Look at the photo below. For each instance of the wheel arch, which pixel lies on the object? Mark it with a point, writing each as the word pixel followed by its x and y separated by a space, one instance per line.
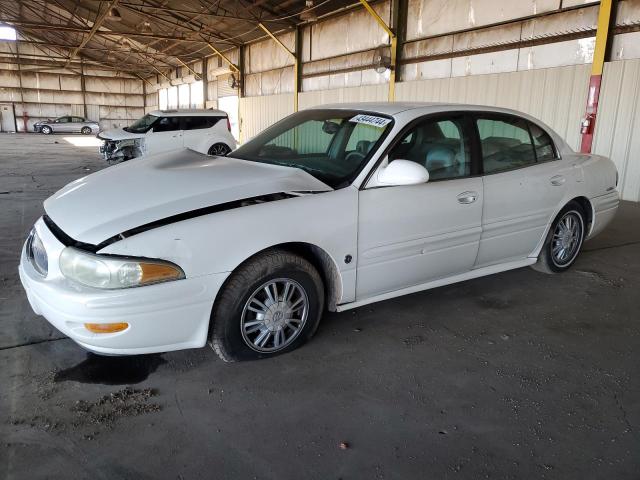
pixel 318 257
pixel 587 207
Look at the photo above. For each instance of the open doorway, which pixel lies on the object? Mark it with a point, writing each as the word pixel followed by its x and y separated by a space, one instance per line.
pixel 7 118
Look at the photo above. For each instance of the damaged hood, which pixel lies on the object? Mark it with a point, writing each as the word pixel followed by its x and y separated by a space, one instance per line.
pixel 131 194
pixel 118 134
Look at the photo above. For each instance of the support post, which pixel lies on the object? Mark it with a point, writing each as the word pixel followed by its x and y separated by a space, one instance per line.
pixel 296 64
pixel 393 39
pixel 205 82
pixel 599 56
pixel 84 89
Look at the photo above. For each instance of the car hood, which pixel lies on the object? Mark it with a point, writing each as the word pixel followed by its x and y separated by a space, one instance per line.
pixel 118 134
pixel 148 189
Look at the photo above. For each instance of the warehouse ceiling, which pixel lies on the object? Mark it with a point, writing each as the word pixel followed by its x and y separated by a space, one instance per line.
pixel 148 36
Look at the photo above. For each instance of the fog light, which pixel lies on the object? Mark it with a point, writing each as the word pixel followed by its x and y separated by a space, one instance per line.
pixel 106 327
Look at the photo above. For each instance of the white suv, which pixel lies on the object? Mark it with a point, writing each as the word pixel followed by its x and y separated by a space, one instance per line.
pixel 205 131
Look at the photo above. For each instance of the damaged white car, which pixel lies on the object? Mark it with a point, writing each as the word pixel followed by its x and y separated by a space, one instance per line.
pixel 331 208
pixel 205 131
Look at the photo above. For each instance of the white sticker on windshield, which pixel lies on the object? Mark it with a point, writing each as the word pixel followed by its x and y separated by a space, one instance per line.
pixel 379 122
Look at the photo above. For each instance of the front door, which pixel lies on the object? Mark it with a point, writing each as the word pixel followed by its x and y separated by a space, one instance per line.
pixel 524 181
pixel 408 235
pixel 62 125
pixel 165 136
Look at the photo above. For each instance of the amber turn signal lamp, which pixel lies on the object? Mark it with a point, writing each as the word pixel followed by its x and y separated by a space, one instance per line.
pixel 154 273
pixel 106 327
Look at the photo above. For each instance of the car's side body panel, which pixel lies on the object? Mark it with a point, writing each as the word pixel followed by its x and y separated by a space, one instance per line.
pixel 518 205
pixel 409 235
pixel 220 242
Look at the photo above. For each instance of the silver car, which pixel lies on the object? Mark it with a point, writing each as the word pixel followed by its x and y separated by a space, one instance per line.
pixel 67 124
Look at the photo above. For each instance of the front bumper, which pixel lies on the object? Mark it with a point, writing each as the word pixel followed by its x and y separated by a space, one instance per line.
pixel 163 317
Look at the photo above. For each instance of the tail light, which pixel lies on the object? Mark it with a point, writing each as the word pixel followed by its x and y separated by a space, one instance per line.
pixel 228 124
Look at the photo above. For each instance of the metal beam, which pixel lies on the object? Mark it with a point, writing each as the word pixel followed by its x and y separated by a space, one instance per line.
pixel 394 47
pixel 96 25
pixel 195 74
pixel 296 64
pixel 233 66
pixel 602 43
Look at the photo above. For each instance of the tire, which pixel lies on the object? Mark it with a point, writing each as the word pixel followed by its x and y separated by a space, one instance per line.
pixel 219 149
pixel 563 243
pixel 236 325
pixel 85 130
pixel 46 130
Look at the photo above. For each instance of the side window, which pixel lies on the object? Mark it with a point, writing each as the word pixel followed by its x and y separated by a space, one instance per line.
pixel 167 124
pixel 439 145
pixel 77 120
pixel 198 123
pixel 545 150
pixel 63 120
pixel 506 143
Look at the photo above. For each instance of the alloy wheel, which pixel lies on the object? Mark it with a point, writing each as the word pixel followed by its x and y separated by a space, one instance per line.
pixel 567 238
pixel 274 315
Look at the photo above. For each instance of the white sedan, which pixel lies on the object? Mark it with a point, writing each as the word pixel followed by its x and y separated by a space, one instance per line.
pixel 331 208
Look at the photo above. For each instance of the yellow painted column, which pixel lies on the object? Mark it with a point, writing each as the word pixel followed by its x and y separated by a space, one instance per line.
pixel 602 38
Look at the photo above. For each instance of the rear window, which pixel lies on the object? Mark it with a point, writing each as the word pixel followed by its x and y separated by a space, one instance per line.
pixel 199 122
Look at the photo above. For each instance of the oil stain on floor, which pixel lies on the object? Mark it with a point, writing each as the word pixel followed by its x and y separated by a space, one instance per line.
pixel 97 369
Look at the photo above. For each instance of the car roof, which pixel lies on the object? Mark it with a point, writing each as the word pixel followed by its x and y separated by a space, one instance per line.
pixel 393 108
pixel 189 112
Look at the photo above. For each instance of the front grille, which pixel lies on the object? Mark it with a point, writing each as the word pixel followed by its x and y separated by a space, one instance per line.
pixel 37 254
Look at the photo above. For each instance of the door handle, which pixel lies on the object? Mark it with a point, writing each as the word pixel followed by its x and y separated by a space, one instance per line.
pixel 557 180
pixel 467 197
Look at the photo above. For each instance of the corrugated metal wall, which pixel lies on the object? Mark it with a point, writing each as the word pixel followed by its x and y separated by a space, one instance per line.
pixel 618 126
pixel 257 113
pixel 555 95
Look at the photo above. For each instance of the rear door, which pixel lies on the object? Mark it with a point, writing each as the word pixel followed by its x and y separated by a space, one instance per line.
pixel 197 132
pixel 408 235
pixel 76 124
pixel 524 181
pixel 164 136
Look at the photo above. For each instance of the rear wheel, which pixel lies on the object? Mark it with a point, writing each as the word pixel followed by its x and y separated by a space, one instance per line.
pixel 219 149
pixel 270 305
pixel 86 130
pixel 564 240
pixel 46 130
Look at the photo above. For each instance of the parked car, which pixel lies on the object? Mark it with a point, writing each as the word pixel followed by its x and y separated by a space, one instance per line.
pixel 205 131
pixel 331 208
pixel 67 124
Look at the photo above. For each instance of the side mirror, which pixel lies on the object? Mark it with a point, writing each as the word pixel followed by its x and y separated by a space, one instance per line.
pixel 403 172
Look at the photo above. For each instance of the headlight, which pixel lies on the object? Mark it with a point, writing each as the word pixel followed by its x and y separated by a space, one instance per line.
pixel 110 272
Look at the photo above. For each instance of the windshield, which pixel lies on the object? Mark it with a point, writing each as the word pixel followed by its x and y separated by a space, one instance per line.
pixel 331 145
pixel 142 124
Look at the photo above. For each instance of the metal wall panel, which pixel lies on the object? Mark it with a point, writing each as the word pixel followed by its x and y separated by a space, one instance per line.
pixel 370 93
pixel 618 123
pixel 257 113
pixel 555 95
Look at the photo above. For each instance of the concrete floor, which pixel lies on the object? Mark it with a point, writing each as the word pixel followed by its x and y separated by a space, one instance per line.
pixel 519 375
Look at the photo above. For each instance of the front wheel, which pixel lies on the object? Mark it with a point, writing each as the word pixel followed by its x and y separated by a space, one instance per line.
pixel 563 241
pixel 270 305
pixel 219 149
pixel 86 130
pixel 46 130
